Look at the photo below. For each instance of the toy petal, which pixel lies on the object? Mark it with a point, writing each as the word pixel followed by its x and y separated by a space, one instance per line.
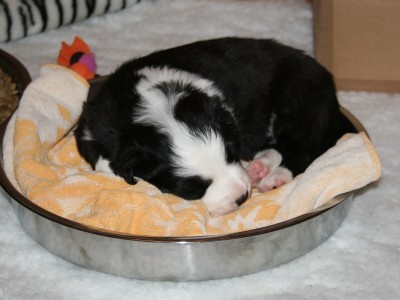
pixel 64 55
pixel 63 61
pixel 80 46
pixel 82 70
pixel 89 61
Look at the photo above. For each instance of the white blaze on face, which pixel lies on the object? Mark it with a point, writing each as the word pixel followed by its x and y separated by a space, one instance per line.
pixel 201 154
pixel 227 188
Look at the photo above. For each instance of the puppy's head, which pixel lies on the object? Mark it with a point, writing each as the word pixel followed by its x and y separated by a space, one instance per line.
pixel 192 165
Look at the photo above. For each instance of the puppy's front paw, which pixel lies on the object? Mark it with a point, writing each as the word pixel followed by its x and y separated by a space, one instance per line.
pixel 257 171
pixel 276 179
pixel 264 163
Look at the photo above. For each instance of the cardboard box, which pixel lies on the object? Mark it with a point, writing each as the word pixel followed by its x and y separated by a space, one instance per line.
pixel 359 42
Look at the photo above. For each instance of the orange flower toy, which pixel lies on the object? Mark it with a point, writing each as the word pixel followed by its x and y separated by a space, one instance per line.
pixel 78 58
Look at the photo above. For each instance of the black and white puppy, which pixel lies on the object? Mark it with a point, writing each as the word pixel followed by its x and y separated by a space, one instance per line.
pixel 185 119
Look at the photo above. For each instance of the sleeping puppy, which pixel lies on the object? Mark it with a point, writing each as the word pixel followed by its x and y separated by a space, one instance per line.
pixel 212 119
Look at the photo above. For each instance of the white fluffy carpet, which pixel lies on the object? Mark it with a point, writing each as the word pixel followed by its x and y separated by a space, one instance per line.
pixel 360 261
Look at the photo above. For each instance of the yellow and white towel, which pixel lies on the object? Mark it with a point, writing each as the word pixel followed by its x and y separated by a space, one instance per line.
pixel 41 159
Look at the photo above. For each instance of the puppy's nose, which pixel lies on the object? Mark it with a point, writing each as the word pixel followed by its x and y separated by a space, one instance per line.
pixel 242 199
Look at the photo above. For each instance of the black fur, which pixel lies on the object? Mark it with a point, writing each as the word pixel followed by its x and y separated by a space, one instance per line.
pixel 262 81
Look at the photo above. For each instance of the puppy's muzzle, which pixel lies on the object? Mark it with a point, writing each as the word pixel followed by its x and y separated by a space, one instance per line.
pixel 242 199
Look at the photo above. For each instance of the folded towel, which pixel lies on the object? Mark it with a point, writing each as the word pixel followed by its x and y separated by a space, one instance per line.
pixel 42 161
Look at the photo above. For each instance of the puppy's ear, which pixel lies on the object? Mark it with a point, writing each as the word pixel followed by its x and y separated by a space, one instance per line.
pixel 135 160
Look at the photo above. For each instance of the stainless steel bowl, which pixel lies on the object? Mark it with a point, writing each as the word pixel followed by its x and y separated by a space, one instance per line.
pixel 178 258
